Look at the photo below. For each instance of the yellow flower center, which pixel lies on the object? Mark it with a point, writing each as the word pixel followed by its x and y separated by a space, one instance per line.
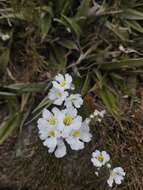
pixel 100 158
pixel 76 133
pixel 51 133
pixel 59 94
pixel 52 121
pixel 63 83
pixel 67 120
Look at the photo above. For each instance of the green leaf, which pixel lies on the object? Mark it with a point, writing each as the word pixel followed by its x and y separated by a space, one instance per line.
pixel 42 104
pixel 27 87
pixel 69 44
pixel 60 56
pixel 72 24
pixel 123 64
pixel 8 126
pixel 7 94
pixel 86 85
pixel 132 14
pixel 119 31
pixel 109 100
pixel 83 8
pixel 134 25
pixel 4 59
pixel 46 21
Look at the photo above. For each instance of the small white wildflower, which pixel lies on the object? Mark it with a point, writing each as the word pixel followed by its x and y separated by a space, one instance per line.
pixel 78 137
pixel 68 29
pixel 74 100
pixel 99 120
pixel 91 116
pixel 57 96
pixel 96 173
pixel 116 175
pixel 99 159
pixel 4 37
pixel 49 133
pixel 99 113
pixel 62 82
pixel 108 165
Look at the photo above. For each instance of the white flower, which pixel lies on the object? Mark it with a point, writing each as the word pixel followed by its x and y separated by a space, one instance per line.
pixel 97 173
pixel 48 119
pixel 62 82
pixel 68 120
pixel 117 175
pixel 58 126
pixel 91 116
pixel 49 134
pixel 74 100
pixel 108 165
pixel 99 113
pixel 57 96
pixel 99 159
pixel 78 137
pixel 4 37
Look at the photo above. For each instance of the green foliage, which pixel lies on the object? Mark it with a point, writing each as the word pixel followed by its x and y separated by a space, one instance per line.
pixel 80 37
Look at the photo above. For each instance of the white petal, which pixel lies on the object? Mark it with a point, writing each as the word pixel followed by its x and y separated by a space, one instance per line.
pixel 56 85
pixel 50 142
pixel 68 78
pixel 59 77
pixel 86 136
pixel 43 135
pixel 77 145
pixel 72 111
pixel 77 122
pixel 55 111
pixel 110 181
pixel 46 114
pixel 119 170
pixel 68 103
pixel 50 150
pixel 42 123
pixel 59 101
pixel 118 180
pixel 96 153
pixel 96 162
pixel 61 149
pixel 106 156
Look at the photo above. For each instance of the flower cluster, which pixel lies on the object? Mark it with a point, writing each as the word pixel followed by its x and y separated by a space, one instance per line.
pixel 100 159
pixel 64 125
pixel 99 115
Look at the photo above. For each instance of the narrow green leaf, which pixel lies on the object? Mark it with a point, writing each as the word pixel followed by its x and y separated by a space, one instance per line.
pixel 69 44
pixel 72 24
pixel 45 25
pixel 119 31
pixel 83 8
pixel 86 85
pixel 134 25
pixel 132 14
pixel 8 126
pixel 123 64
pixel 4 59
pixel 27 87
pixel 7 94
pixel 43 103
